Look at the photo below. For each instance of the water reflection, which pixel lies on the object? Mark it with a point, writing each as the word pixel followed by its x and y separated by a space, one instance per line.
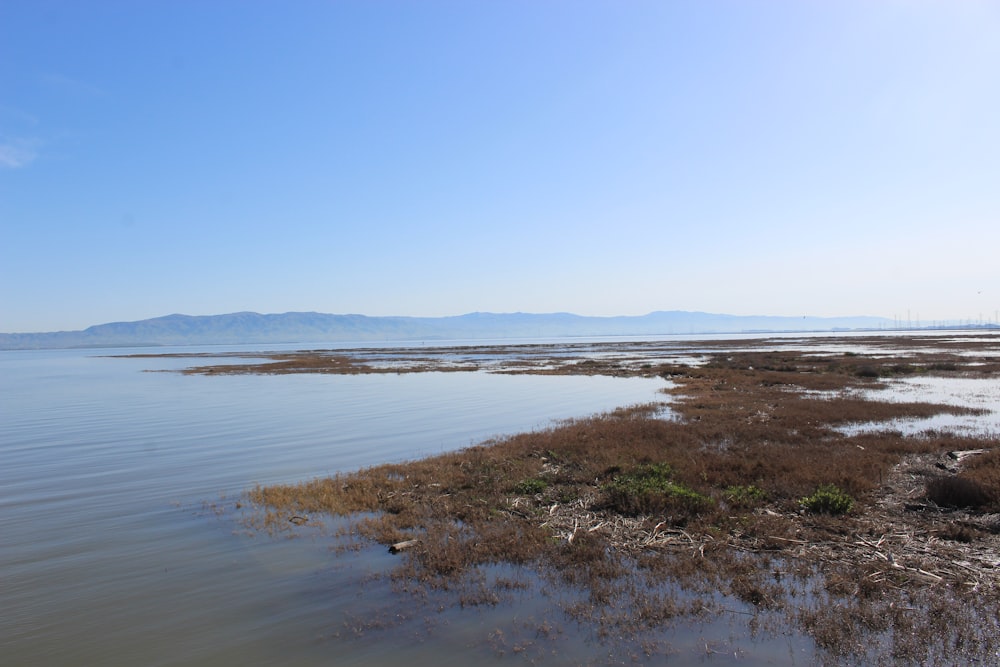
pixel 112 552
pixel 978 393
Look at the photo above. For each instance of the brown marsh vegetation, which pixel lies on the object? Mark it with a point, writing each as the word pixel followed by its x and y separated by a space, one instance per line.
pixel 745 498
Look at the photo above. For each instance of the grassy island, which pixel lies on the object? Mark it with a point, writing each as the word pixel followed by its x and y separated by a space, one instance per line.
pixel 745 492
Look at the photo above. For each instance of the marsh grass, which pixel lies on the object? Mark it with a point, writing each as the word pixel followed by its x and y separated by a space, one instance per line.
pixel 652 519
pixel 960 491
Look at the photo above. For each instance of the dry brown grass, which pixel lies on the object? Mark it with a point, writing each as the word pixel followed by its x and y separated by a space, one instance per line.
pixel 750 444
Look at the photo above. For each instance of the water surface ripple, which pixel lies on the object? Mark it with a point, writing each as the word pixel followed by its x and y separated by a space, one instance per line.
pixel 110 553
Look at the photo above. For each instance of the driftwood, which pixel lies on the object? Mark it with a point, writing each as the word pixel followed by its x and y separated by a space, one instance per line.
pixel 964 454
pixel 400 546
pixel 953 460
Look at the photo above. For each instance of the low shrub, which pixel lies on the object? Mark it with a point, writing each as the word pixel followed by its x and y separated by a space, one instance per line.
pixel 958 533
pixel 744 496
pixel 650 489
pixel 958 492
pixel 828 499
pixel 531 486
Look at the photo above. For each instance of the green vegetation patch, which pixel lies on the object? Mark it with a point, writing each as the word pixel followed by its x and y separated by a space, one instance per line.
pixel 745 496
pixel 650 489
pixel 828 499
pixel 531 486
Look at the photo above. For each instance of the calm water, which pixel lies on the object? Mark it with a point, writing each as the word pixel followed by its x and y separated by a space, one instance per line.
pixel 110 553
pixel 982 394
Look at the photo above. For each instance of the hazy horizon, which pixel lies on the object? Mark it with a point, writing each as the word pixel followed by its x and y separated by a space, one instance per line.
pixel 452 315
pixel 907 320
pixel 506 320
pixel 430 159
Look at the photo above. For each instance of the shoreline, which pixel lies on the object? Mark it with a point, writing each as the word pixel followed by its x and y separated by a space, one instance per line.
pixel 727 496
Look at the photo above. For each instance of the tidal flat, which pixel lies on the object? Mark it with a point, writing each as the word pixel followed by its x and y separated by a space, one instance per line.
pixel 748 493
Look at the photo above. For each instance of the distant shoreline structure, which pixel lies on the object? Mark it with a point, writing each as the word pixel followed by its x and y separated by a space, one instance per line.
pixel 309 327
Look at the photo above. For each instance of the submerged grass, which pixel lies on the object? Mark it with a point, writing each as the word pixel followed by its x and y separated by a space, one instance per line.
pixel 751 491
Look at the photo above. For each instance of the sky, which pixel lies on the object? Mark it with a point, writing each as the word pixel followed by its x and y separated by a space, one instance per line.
pixel 434 158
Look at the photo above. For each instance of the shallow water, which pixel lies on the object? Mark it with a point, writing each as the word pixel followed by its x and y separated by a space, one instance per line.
pixel 979 393
pixel 111 552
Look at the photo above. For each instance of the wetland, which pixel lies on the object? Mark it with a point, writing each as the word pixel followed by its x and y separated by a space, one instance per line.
pixel 774 485
pixel 779 500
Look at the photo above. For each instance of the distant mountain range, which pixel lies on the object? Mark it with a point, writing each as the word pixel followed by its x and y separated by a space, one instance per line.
pixel 242 328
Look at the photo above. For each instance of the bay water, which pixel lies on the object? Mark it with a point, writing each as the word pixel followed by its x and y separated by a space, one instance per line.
pixel 115 549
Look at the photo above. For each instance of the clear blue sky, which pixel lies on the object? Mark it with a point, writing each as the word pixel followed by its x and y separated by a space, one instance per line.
pixel 437 158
